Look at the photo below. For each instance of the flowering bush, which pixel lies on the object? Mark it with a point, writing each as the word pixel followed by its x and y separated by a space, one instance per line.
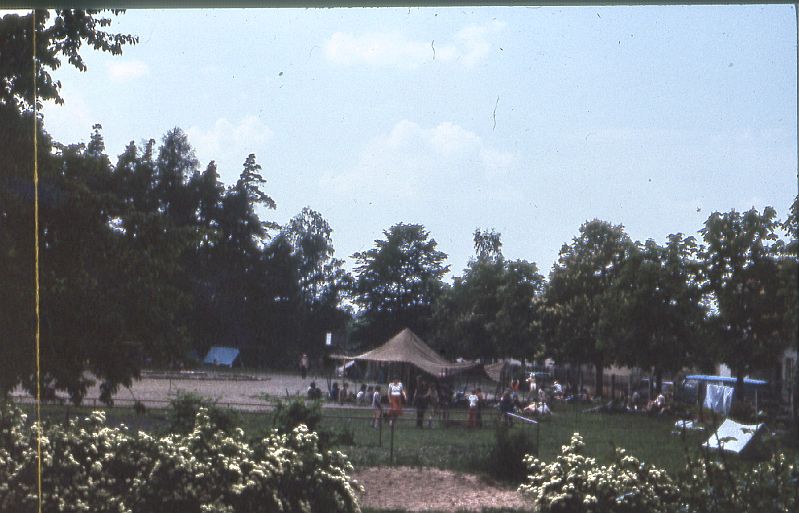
pixel 716 485
pixel 575 483
pixel 184 408
pixel 90 467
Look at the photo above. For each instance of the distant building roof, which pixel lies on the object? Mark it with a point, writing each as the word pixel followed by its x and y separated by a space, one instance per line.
pixel 725 379
pixel 219 355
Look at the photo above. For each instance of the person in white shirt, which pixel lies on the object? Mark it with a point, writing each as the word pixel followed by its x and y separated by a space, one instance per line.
pixel 557 391
pixel 474 403
pixel 396 395
pixel 360 397
pixel 531 393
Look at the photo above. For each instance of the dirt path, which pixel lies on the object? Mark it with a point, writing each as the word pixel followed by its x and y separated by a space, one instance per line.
pixel 430 489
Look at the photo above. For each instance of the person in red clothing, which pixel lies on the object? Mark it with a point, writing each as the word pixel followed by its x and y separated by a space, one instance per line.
pixel 396 395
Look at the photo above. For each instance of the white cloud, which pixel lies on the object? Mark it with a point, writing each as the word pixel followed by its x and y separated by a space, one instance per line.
pixel 124 71
pixel 18 12
pixel 469 46
pixel 411 160
pixel 71 122
pixel 229 144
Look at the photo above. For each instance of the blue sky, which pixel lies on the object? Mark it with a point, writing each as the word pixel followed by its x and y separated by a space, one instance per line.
pixel 526 120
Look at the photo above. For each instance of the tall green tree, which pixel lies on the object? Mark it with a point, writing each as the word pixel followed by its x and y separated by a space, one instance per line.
pixel 741 279
pixel 397 282
pixel 322 280
pixel 654 309
pixel 61 38
pixel 788 255
pixel 577 293
pixel 238 259
pixel 492 310
pixel 59 35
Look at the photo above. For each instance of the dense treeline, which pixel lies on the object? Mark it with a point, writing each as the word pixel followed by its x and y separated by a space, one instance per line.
pixel 149 257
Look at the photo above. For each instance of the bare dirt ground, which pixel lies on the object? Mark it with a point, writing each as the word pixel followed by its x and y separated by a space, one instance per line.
pixel 430 489
pixel 245 391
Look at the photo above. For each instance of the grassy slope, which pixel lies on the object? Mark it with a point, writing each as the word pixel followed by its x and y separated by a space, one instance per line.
pixel 457 447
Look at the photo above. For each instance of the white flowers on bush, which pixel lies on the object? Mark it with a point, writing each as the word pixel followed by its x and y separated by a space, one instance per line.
pixel 90 467
pixel 575 483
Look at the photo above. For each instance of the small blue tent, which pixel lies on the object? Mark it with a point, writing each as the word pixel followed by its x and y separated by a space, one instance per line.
pixel 221 356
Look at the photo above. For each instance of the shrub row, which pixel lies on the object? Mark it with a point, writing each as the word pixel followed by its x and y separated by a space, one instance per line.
pixel 575 483
pixel 88 466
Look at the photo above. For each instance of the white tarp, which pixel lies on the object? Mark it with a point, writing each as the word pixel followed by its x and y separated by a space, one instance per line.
pixel 719 398
pixel 687 425
pixel 732 436
pixel 340 371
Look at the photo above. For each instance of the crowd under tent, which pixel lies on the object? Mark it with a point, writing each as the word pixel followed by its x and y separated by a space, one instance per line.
pixel 220 356
pixel 406 355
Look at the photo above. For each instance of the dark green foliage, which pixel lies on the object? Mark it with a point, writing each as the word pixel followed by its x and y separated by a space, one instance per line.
pixel 288 415
pixel 397 282
pixel 62 38
pixel 506 459
pixel 577 293
pixel 741 276
pixel 653 309
pixel 184 409
pixel 493 309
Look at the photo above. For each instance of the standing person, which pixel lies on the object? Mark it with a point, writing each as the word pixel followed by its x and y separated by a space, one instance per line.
pixel 474 400
pixel 344 393
pixel 532 390
pixel 360 398
pixel 377 408
pixel 396 394
pixel 506 406
pixel 304 363
pixel 421 398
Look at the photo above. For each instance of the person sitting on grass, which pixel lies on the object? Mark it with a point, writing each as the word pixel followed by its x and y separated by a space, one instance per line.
pixel 537 409
pixel 657 406
pixel 557 391
pixel 313 392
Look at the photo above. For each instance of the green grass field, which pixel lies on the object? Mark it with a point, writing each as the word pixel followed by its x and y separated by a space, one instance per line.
pixel 457 447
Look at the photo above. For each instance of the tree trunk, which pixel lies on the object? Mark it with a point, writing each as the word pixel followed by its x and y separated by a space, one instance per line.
pixel 739 385
pixel 658 380
pixel 598 387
